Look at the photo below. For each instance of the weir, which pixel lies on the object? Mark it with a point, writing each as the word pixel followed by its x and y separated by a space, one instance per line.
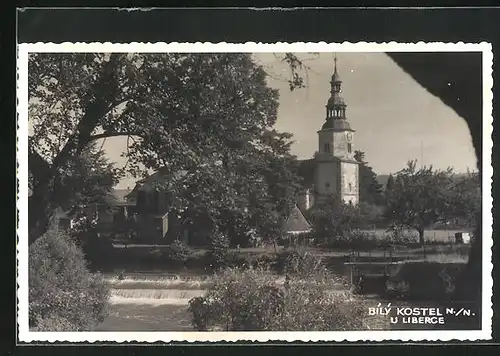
pixel 154 296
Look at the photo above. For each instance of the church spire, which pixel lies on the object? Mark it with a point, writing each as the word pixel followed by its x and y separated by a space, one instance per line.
pixel 335 76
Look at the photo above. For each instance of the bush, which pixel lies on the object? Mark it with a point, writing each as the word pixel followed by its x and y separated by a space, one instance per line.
pixel 267 261
pixel 177 253
pixel 54 323
pixel 301 263
pixel 233 259
pixel 63 293
pixel 252 300
pixel 218 250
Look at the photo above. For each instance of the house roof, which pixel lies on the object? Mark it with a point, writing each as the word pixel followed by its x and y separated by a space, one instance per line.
pixel 161 175
pixel 296 222
pixel 119 196
pixel 337 125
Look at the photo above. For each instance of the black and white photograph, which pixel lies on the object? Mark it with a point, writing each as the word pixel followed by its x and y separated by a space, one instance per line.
pixel 302 191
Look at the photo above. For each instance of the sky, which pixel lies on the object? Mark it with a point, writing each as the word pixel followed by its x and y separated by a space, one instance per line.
pixel 395 118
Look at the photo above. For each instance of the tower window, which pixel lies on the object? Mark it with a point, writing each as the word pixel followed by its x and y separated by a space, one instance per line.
pixel 350 187
pixel 349 147
pixel 327 147
pixel 327 185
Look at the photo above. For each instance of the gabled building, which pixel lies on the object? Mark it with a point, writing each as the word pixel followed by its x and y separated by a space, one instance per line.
pixel 296 223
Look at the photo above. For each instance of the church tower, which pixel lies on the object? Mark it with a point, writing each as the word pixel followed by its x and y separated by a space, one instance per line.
pixel 336 168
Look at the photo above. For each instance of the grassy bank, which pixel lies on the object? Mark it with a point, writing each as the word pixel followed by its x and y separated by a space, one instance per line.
pixel 155 258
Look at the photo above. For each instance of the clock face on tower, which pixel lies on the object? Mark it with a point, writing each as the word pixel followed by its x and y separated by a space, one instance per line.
pixel 348 137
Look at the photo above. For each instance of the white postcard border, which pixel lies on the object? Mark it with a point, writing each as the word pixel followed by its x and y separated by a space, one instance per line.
pixel 25 335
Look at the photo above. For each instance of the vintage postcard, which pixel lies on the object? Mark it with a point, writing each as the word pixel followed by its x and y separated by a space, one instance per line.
pixel 256 192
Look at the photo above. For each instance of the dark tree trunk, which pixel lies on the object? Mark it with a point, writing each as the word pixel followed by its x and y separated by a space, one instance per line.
pixel 39 211
pixel 421 239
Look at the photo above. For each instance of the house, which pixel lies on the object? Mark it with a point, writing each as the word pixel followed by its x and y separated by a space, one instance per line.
pixel 115 216
pixel 150 202
pixel 148 206
pixel 296 223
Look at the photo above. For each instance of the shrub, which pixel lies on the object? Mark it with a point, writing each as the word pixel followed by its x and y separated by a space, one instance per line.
pixel 177 253
pixel 63 293
pixel 54 323
pixel 233 259
pixel 294 262
pixel 361 240
pixel 238 300
pixel 252 300
pixel 218 249
pixel 267 261
pixel 302 263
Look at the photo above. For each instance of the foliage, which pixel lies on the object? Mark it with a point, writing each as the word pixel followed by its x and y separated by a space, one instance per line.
pixel 218 249
pixel 204 120
pixel 422 197
pixel 298 239
pixel 54 323
pixel 390 183
pixel 177 253
pixel 466 198
pixel 63 294
pixel 299 263
pixel 297 69
pixel 98 249
pixel 370 190
pixel 371 215
pixel 332 218
pixel 86 184
pixel 251 300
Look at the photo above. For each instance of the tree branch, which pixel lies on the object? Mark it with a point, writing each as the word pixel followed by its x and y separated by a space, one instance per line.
pixel 37 164
pixel 113 134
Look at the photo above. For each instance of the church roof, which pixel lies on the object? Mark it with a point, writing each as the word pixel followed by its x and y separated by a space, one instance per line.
pixel 346 160
pixel 335 76
pixel 336 100
pixel 337 125
pixel 296 222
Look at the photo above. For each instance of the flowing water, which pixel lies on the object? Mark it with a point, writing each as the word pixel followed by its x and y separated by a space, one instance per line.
pixel 148 302
pixel 154 296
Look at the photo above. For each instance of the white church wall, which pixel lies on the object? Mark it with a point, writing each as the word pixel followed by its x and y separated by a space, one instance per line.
pixel 350 182
pixel 340 145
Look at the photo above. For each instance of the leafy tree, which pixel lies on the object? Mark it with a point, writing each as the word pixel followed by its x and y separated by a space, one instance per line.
pixel 370 214
pixel 465 195
pixel 87 183
pixel 390 183
pixel 331 217
pixel 422 197
pixel 203 119
pixel 370 190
